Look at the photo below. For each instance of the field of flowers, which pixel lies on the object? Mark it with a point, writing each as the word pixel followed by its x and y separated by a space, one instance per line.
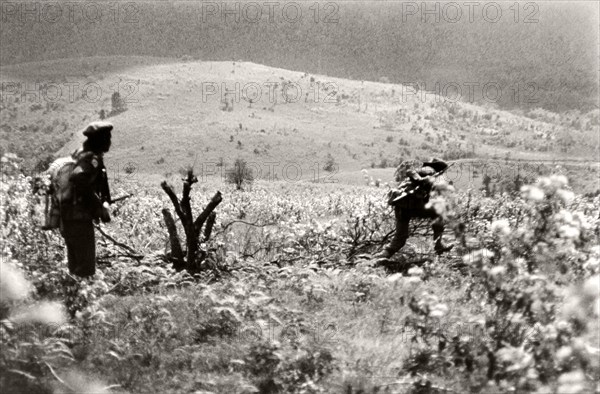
pixel 291 300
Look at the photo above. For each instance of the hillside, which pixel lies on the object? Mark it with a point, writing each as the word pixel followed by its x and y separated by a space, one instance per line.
pixel 171 120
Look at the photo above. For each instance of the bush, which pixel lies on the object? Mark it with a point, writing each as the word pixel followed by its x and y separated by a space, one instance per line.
pixel 457 153
pixel 330 164
pixel 240 175
pixel 118 104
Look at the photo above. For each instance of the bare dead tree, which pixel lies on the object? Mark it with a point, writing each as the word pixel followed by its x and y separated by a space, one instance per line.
pixel 193 256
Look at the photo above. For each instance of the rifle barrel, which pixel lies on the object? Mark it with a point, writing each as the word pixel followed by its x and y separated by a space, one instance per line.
pixel 114 200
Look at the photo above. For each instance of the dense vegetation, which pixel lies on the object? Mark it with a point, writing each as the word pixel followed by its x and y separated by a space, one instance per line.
pixel 543 56
pixel 289 299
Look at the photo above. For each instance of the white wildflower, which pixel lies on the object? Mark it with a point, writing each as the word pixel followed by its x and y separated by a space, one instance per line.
pixel 544 182
pixel 567 231
pixel 497 270
pixel 520 262
pixel 442 308
pixel 438 204
pixel 516 318
pixel 479 321
pixel 13 285
pixel 45 313
pixel 415 271
pixel 559 181
pixel 501 226
pixel 582 220
pixel 571 383
pixel 565 195
pixel 591 288
pixel 533 193
pixel 564 216
pixel 592 264
pixel 394 277
pixel 517 357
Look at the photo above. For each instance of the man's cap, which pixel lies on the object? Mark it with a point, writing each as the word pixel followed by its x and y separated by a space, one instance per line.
pixel 98 128
pixel 437 164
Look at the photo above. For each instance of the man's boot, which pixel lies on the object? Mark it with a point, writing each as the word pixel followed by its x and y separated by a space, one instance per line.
pixel 384 254
pixel 438 230
pixel 400 236
pixel 441 247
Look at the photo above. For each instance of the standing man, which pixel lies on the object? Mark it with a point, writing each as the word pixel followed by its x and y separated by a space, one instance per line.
pixel 409 202
pixel 89 200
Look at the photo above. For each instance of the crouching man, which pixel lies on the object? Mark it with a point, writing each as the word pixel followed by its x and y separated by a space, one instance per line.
pixel 409 201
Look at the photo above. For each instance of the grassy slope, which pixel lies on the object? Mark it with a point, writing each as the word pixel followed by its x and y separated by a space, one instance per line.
pixel 168 126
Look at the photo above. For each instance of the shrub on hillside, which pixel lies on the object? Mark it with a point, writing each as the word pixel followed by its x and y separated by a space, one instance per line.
pixel 118 104
pixel 330 164
pixel 240 175
pixel 456 153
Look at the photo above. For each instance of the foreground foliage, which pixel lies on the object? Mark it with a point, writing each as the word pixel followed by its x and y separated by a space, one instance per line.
pixel 289 299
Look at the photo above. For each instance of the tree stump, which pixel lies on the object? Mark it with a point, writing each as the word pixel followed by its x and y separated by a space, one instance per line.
pixel 192 257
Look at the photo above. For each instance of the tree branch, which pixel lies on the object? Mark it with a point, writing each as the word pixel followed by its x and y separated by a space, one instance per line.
pixel 210 222
pixel 176 251
pixel 214 202
pixel 225 227
pixel 135 254
pixel 169 190
pixel 185 199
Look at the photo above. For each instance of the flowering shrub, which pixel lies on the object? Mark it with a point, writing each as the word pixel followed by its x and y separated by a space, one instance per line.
pixel 520 271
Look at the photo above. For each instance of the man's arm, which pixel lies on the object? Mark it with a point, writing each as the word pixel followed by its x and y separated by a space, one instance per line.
pixel 104 188
pixel 424 175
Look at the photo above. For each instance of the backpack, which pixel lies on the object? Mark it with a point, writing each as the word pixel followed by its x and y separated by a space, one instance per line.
pixel 60 191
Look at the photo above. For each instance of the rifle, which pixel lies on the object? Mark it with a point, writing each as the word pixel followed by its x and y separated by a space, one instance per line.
pixel 405 193
pixel 104 215
pixel 125 197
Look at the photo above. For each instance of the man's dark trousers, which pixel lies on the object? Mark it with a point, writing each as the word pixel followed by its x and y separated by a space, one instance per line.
pixel 414 209
pixel 81 246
